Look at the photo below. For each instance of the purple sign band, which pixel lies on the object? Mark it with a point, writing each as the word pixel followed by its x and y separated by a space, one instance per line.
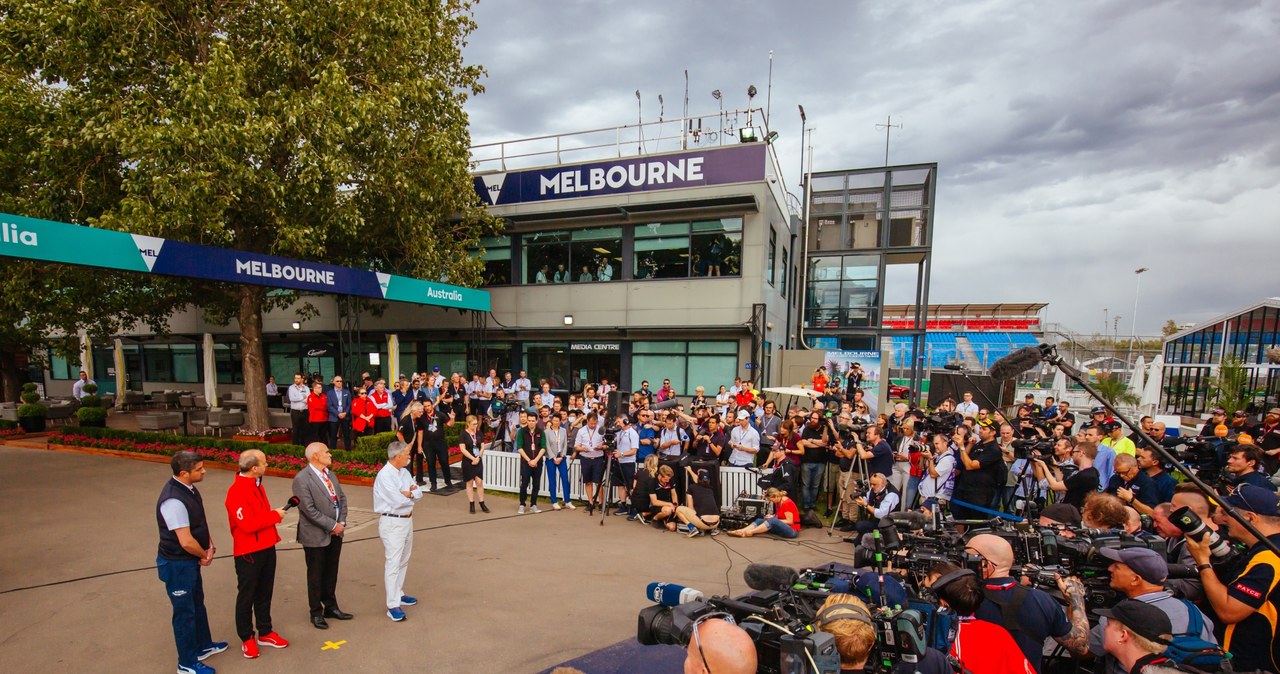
pixel 696 168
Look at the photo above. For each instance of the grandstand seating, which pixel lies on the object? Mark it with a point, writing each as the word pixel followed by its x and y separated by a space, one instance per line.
pixel 941 347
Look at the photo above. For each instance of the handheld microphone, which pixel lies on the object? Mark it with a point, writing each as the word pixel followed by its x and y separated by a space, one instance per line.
pixel 670 594
pixel 293 502
pixel 1017 362
pixel 769 576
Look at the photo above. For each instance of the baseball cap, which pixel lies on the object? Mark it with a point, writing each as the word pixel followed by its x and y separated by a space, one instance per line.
pixel 703 474
pixel 1098 410
pixel 1218 410
pixel 743 414
pixel 1256 500
pixel 1141 618
pixel 435 368
pixel 1147 563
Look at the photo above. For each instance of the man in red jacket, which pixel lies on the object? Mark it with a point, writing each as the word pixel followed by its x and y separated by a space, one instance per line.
pixel 254 538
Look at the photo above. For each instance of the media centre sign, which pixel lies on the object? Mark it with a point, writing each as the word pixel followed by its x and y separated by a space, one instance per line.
pixel 596 347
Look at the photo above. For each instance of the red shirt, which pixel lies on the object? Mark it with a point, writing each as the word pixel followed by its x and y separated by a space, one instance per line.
pixel 743 398
pixel 253 522
pixel 820 383
pixel 987 648
pixel 380 399
pixel 317 408
pixel 360 407
pixel 789 506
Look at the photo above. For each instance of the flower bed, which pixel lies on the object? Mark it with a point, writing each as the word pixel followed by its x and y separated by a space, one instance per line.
pixel 276 436
pixel 287 459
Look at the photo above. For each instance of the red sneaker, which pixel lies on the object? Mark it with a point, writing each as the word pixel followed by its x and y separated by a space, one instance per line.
pixel 273 640
pixel 250 649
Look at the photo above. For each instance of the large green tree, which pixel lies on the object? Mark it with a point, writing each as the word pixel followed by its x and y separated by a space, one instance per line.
pixel 329 131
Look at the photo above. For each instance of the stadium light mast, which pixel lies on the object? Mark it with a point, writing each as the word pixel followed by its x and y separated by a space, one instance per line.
pixel 1137 285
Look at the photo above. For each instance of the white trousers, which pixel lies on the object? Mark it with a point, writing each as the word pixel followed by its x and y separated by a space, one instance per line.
pixel 397 543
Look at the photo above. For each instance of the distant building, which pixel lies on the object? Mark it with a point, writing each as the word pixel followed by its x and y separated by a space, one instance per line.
pixel 1192 356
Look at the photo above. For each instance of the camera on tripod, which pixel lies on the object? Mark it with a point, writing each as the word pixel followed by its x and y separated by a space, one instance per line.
pixel 1027 449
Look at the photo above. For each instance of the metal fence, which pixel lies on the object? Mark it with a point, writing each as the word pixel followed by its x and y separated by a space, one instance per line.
pixel 502 473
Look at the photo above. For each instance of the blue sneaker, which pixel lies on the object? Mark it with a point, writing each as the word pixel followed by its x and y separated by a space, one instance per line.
pixel 199 668
pixel 395 614
pixel 214 648
pixel 632 517
pixel 406 600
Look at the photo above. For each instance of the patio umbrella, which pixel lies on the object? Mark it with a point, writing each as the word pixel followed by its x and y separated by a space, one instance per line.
pixel 1059 383
pixel 393 359
pixel 86 355
pixel 1155 382
pixel 1135 376
pixel 117 354
pixel 210 372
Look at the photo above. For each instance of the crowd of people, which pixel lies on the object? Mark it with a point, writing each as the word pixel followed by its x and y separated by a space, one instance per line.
pixel 971 460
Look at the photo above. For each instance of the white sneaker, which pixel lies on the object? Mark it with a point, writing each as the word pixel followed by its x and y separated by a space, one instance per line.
pixel 520 511
pixel 555 506
pixel 536 509
pixel 569 505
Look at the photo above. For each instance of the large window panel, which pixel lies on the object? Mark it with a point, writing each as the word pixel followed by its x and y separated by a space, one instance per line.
pixel 158 362
pixel 186 363
pixel 548 361
pixel 596 254
pixel 719 243
pixel 497 260
pixel 547 253
pixel 654 368
pixel 664 257
pixel 226 358
pixel 61 368
pixel 710 372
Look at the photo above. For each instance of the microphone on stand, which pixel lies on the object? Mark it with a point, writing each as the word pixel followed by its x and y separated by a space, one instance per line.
pixel 1018 362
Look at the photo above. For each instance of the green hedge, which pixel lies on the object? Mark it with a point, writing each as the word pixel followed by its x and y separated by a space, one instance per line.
pixel 379 441
pixel 6 425
pixel 358 455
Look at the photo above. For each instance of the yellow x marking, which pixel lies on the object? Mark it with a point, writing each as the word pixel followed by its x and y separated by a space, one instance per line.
pixel 331 645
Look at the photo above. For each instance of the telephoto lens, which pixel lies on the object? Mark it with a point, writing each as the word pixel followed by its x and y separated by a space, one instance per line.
pixel 1194 528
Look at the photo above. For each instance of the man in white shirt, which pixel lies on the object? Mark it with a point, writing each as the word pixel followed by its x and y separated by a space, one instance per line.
pixel 744 440
pixel 522 389
pixel 546 398
pixel 394 494
pixel 474 398
pixel 628 443
pixel 671 440
pixel 968 408
pixel 297 395
pixel 589 446
pixel 77 389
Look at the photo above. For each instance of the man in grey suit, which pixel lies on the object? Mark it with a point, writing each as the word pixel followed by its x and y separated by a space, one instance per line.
pixel 322 511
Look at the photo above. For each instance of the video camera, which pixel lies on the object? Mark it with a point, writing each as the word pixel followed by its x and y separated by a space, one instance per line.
pixel 1029 448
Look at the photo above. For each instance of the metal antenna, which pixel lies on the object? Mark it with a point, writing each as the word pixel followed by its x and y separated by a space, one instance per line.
pixel 887 126
pixel 639 124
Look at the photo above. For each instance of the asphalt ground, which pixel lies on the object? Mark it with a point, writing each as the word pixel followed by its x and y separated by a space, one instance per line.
pixel 498 593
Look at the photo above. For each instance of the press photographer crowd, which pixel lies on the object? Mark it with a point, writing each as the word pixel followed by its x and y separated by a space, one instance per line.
pixel 980 539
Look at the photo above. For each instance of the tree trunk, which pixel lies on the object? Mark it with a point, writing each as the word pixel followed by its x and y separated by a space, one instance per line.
pixel 255 377
pixel 10 376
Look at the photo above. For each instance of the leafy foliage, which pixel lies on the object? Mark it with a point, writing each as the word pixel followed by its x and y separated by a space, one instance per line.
pixel 1229 386
pixel 1114 390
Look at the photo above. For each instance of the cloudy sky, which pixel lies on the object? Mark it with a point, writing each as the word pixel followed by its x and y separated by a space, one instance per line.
pixel 1076 141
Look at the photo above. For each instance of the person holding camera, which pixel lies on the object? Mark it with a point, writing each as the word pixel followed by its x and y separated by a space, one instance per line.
pixel 881 500
pixel 1080 484
pixel 847 618
pixel 814 441
pixel 880 457
pixel 938 467
pixel 700 514
pixel 1249 602
pixel 981 472
pixel 1030 614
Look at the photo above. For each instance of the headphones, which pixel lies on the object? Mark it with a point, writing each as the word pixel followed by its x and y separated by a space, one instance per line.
pixel 859 613
pixel 949 578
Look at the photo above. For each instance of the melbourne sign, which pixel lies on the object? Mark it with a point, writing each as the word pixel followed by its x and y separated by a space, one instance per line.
pixel 697 168
pixel 32 239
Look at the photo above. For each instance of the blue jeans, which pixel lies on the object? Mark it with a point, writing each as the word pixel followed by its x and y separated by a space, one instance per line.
pixel 185 587
pixel 811 476
pixel 563 471
pixel 777 527
pixel 913 488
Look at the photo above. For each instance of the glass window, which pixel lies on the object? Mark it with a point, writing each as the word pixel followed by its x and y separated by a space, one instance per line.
pixel 710 372
pixel 497 260
pixel 61 368
pixel 783 280
pixel 770 272
pixel 226 358
pixel 186 363
pixel 158 362
pixel 665 257
pixel 907 228
pixel 548 362
pixel 547 253
pixel 708 364
pixel 450 356
pixel 859 267
pixel 596 254
pixel 656 368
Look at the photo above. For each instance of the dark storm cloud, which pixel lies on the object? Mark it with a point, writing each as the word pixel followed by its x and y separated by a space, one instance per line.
pixel 1075 141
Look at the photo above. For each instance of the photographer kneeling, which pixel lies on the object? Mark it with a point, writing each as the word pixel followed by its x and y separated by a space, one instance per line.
pixel 879 502
pixel 1248 603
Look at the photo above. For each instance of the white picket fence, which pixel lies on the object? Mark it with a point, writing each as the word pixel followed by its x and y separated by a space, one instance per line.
pixel 502 473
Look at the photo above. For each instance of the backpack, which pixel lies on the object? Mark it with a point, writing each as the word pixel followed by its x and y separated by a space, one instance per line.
pixel 1188 648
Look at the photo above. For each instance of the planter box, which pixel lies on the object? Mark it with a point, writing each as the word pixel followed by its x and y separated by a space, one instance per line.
pixel 282 439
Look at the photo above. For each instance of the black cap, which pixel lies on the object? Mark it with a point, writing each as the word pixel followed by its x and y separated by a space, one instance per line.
pixel 1098 410
pixel 1141 618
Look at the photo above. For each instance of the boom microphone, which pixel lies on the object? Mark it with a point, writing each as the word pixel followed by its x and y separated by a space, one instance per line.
pixel 1017 362
pixel 670 594
pixel 664 405
pixel 769 576
pixel 293 502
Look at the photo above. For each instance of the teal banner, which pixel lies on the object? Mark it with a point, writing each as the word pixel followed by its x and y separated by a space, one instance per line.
pixel 32 239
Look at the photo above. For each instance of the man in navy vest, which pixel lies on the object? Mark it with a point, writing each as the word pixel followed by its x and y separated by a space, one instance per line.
pixel 185 546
